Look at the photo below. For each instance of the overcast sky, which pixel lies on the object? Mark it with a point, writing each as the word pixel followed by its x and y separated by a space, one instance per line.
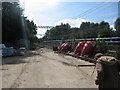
pixel 74 12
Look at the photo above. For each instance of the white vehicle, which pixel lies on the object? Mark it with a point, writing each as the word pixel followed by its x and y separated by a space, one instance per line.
pixel 22 51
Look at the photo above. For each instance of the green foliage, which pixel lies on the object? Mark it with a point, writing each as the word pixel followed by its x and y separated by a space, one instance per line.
pixel 11 22
pixel 101 46
pixel 74 44
pixel 104 29
pixel 118 52
pixel 117 27
pixel 89 30
pixel 85 25
pixel 15 26
pixel 86 30
pixel 58 32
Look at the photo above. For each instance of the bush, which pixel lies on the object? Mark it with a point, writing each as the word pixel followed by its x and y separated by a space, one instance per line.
pixel 74 44
pixel 101 46
pixel 118 52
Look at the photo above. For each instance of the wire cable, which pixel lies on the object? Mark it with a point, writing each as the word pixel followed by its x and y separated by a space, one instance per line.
pixel 87 12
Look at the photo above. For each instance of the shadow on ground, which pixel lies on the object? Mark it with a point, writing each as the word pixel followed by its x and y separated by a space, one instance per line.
pixel 18 59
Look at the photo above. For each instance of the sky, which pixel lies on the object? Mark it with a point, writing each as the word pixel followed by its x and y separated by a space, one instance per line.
pixel 74 12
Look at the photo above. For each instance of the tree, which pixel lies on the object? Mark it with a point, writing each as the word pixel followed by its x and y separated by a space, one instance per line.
pixel 118 52
pixel 117 27
pixel 89 29
pixel 104 29
pixel 11 22
pixel 85 25
pixel 15 26
pixel 101 46
pixel 59 32
pixel 86 30
pixel 31 32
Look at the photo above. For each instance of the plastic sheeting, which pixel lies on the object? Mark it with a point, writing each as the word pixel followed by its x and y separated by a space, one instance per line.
pixel 84 48
pixel 7 52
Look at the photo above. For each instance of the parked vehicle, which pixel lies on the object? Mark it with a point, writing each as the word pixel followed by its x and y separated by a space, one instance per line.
pixel 6 51
pixel 22 51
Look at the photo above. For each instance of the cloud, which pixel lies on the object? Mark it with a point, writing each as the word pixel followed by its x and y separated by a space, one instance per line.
pixel 90 1
pixel 35 10
pixel 33 6
pixel 73 22
pixel 39 5
pixel 112 26
pixel 40 32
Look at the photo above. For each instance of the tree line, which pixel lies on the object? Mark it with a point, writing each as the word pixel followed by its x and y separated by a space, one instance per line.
pixel 15 26
pixel 86 30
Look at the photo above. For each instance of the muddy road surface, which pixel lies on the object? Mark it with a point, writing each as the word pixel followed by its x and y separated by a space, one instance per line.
pixel 46 69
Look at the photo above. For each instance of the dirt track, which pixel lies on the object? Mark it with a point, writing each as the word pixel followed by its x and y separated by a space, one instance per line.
pixel 46 69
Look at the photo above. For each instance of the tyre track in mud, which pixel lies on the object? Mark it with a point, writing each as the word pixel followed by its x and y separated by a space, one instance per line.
pixel 16 82
pixel 70 63
pixel 24 67
pixel 67 62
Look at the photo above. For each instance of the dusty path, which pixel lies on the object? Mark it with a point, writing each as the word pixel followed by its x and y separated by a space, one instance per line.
pixel 47 69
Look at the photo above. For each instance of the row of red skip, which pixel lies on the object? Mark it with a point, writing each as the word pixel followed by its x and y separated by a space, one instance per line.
pixel 82 48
